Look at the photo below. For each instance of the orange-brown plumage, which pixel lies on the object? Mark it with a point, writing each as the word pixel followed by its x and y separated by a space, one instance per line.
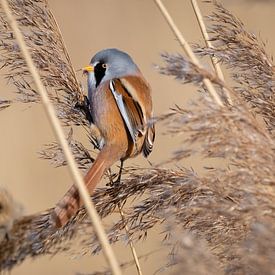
pixel 121 108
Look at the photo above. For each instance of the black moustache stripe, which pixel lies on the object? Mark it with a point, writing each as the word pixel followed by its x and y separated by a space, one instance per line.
pixel 99 72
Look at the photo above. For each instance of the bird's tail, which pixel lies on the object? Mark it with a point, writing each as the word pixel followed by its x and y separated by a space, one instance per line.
pixel 71 202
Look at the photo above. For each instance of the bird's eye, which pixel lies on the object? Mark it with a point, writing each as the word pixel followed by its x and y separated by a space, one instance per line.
pixel 104 65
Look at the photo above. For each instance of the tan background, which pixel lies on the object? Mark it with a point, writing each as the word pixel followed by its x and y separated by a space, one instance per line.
pixel 137 27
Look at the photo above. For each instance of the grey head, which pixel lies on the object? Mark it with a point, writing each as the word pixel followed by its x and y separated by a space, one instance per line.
pixel 109 64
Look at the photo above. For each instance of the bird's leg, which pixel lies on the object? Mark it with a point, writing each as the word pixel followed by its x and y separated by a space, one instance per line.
pixel 120 172
pixel 117 181
pixel 150 163
pixel 95 137
pixel 111 178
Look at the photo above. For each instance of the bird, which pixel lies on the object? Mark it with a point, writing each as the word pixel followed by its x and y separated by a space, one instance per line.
pixel 120 106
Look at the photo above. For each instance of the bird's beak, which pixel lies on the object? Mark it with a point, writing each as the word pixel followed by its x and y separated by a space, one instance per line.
pixel 88 69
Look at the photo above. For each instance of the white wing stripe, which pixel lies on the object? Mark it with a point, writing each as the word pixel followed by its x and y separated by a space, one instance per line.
pixel 123 111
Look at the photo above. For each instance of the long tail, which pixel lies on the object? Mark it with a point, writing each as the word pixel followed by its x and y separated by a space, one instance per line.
pixel 71 202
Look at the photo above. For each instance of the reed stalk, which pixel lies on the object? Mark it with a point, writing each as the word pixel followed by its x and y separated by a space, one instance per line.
pixel 56 126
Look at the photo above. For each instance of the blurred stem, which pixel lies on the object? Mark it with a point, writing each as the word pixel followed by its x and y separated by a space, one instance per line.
pixel 189 52
pixel 133 249
pixel 55 123
pixel 120 206
pixel 206 37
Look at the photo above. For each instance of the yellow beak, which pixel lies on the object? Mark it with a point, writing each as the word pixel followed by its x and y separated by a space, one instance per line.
pixel 88 69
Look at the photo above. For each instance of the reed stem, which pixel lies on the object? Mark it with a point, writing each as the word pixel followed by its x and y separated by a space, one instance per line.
pixel 188 50
pixel 55 123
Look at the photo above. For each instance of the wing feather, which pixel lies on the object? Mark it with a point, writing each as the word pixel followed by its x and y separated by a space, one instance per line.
pixel 133 114
pixel 123 110
pixel 129 108
pixel 147 146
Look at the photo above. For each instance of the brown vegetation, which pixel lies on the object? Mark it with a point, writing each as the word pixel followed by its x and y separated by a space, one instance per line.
pixel 221 222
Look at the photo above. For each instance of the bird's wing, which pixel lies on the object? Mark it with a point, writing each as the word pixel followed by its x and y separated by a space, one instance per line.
pixel 130 108
pixel 133 98
pixel 147 146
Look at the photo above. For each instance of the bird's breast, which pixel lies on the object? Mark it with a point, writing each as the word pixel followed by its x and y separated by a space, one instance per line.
pixel 107 117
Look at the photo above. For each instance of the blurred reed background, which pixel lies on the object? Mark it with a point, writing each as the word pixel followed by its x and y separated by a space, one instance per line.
pixel 138 28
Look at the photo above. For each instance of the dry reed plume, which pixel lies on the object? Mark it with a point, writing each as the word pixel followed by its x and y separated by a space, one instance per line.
pixel 10 210
pixel 49 54
pixel 60 136
pixel 4 104
pixel 224 218
pixel 241 50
